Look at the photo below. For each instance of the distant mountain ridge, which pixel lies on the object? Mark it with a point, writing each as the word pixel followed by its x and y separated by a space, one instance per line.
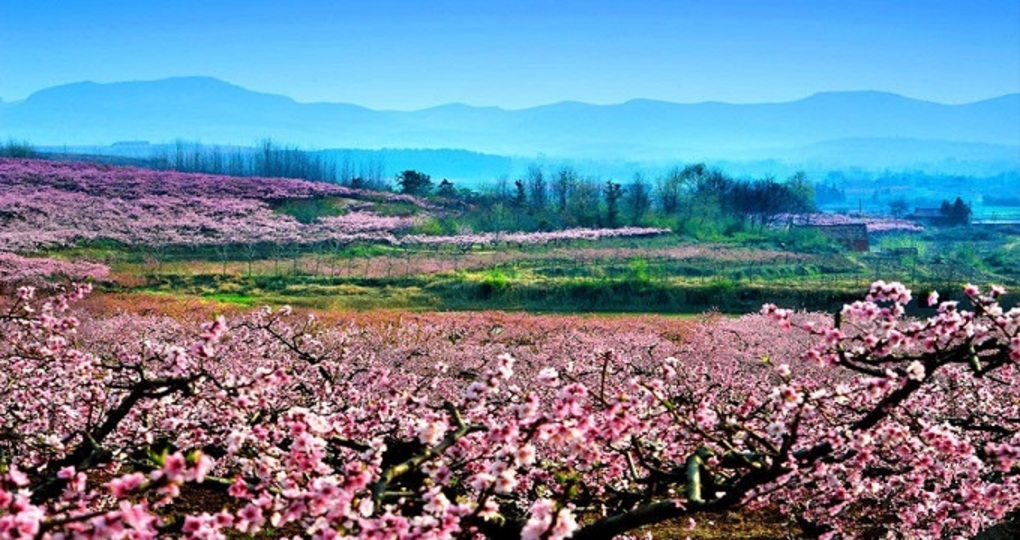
pixel 216 112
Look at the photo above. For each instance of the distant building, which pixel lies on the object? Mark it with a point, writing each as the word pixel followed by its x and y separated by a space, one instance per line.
pixel 853 236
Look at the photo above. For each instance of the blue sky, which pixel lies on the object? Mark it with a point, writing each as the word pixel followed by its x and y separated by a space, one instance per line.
pixel 407 55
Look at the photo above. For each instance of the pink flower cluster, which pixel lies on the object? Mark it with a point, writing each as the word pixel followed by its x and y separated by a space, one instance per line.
pixel 567 235
pixel 37 271
pixel 875 224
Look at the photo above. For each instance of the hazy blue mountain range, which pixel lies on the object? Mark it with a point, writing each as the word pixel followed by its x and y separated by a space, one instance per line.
pixel 850 128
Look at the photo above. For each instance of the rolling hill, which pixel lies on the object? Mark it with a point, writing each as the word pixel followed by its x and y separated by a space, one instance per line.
pixel 215 112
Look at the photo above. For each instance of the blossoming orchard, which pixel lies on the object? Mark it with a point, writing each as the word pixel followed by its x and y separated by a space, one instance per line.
pixel 895 416
pixel 114 425
pixel 49 204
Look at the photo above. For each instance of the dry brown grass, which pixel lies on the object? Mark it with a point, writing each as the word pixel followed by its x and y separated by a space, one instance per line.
pixel 742 525
pixel 190 308
pixel 182 308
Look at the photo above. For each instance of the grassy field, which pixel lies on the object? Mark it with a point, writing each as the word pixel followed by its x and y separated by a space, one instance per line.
pixel 662 275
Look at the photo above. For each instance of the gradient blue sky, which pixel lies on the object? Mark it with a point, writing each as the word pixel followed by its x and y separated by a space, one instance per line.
pixel 519 53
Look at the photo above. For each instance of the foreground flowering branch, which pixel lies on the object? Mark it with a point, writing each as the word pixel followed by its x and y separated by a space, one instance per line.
pixel 867 423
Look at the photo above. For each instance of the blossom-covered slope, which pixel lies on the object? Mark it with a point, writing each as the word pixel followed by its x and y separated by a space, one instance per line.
pixel 52 204
pixel 45 204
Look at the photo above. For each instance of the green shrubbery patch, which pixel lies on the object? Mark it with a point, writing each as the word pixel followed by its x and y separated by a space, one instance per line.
pixel 310 209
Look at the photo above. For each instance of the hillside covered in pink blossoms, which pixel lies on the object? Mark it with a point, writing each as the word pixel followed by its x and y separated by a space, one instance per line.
pixel 49 204
pixel 46 204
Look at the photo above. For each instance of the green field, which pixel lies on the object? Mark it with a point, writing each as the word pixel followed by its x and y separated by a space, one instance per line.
pixel 660 275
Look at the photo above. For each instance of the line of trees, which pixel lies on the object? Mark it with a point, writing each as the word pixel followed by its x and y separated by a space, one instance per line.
pixel 268 159
pixel 693 198
pixel 17 149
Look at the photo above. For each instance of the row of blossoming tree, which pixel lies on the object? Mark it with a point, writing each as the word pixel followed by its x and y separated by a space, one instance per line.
pixel 114 426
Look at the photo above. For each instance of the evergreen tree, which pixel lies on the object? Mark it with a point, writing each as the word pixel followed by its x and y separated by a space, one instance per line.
pixel 414 183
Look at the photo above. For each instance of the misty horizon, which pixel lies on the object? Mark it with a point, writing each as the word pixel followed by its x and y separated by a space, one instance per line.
pixel 210 78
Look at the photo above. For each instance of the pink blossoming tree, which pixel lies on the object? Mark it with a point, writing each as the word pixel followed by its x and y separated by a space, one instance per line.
pixel 869 422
